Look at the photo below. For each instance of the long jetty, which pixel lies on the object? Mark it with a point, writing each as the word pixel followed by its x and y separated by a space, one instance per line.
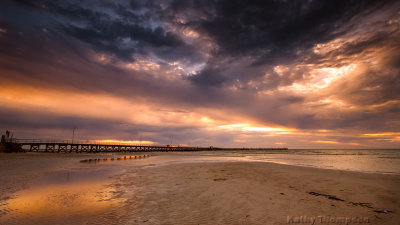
pixel 79 146
pixel 93 146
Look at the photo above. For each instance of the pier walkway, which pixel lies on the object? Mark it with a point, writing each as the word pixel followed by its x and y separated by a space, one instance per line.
pixel 78 146
pixel 33 145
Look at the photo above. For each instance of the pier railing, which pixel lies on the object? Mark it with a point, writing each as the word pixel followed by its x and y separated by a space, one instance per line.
pixel 54 145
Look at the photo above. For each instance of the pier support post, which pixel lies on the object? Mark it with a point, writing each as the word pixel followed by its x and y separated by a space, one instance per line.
pixel 50 147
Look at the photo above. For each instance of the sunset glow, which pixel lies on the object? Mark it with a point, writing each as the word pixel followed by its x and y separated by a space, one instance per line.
pixel 120 142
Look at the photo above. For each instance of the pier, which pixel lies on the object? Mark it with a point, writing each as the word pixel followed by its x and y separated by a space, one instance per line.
pixel 92 146
pixel 10 144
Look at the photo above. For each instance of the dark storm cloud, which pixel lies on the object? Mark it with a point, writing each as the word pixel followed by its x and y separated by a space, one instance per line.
pixel 209 77
pixel 271 32
pixel 15 119
pixel 111 28
pixel 108 36
pixel 276 31
pixel 280 27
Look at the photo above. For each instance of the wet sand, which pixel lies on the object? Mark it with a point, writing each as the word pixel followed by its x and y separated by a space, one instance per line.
pixel 40 188
pixel 151 192
pixel 256 193
pixel 17 171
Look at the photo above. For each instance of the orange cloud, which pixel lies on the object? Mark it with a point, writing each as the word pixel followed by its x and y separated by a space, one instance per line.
pixel 247 127
pixel 83 104
pixel 383 134
pixel 126 142
pixel 335 142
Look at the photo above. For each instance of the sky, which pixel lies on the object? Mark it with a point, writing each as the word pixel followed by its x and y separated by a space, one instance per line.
pixel 227 73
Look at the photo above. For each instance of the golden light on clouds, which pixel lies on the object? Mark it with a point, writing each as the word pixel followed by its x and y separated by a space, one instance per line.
pixel 264 129
pixel 140 111
pixel 122 142
pixel 323 77
pixel 383 134
pixel 102 58
pixel 327 142
pixel 247 127
pixel 82 104
pixel 324 48
pixel 319 78
pixel 335 142
pixel 142 65
pixel 189 33
pixel 280 69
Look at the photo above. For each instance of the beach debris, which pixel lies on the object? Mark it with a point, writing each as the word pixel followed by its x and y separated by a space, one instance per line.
pixel 114 158
pixel 282 193
pixel 332 197
pixel 364 204
pixel 219 179
pixel 383 211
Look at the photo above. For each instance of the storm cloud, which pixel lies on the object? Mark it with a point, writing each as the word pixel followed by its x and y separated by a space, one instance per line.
pixel 212 71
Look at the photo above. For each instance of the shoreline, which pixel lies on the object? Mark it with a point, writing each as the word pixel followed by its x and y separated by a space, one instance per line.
pixel 351 166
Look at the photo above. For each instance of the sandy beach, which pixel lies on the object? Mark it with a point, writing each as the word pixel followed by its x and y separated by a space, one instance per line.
pixel 257 193
pixel 178 192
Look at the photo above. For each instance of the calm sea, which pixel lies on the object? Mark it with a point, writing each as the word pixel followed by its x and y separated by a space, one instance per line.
pixel 362 160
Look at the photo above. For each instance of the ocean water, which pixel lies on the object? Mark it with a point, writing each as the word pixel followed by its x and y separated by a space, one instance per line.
pixel 384 161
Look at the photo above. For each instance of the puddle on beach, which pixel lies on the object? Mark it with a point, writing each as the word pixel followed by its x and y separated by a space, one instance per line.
pixel 74 197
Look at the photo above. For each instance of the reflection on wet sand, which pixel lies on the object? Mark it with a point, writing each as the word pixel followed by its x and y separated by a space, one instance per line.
pixel 79 197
